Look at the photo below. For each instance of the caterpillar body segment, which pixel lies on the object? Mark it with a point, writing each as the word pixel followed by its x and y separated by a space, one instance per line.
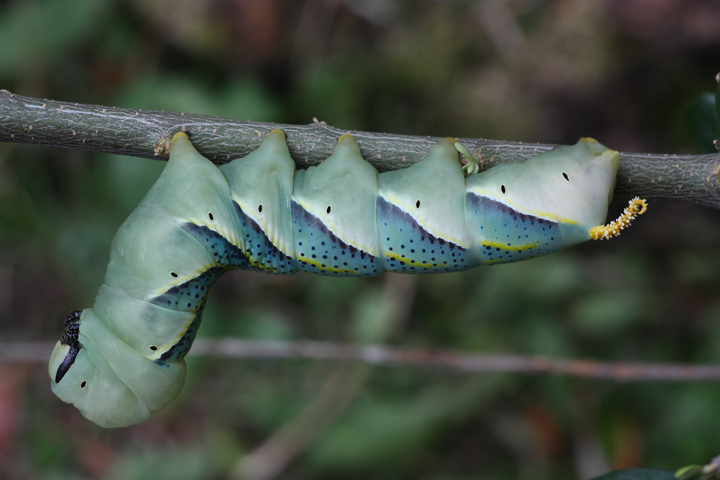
pixel 334 215
pixel 261 186
pixel 543 205
pixel 123 358
pixel 422 221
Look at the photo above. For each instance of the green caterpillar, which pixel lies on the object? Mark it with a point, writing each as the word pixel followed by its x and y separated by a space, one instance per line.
pixel 124 358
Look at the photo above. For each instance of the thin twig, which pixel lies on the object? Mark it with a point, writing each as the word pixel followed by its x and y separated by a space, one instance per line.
pixel 146 133
pixel 386 356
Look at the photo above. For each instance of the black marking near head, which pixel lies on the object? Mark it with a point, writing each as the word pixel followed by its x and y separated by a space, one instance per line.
pixel 70 338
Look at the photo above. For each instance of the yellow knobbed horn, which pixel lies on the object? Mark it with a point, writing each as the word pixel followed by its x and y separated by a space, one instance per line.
pixel 637 206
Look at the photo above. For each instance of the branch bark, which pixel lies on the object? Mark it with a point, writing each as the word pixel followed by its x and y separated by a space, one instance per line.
pixel 146 133
pixel 388 356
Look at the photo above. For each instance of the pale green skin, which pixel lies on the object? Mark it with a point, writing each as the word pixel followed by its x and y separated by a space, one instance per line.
pixel 123 384
pixel 348 183
pixel 115 380
pixel 538 187
pixel 438 182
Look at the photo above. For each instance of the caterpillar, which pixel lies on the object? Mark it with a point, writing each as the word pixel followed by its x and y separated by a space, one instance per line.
pixel 124 358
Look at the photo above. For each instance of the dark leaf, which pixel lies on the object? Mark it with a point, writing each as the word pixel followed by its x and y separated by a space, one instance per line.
pixel 701 123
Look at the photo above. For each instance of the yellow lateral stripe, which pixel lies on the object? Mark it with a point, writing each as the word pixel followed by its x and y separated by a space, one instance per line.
pixel 407 261
pixel 261 266
pixel 543 215
pixel 325 269
pixel 506 247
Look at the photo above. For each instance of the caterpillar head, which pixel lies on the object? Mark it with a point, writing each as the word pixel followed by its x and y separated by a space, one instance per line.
pixel 571 186
pixel 109 382
pixel 575 184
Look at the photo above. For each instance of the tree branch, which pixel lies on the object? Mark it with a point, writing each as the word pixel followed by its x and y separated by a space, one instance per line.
pixel 388 356
pixel 145 133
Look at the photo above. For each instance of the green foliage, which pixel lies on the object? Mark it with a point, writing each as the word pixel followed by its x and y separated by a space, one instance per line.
pixel 702 123
pixel 638 474
pixel 33 34
pixel 241 98
pixel 176 463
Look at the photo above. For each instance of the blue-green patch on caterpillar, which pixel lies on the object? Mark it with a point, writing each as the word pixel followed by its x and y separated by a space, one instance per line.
pixel 409 248
pixel 319 250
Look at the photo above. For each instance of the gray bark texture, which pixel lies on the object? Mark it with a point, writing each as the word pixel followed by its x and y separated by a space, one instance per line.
pixel 147 133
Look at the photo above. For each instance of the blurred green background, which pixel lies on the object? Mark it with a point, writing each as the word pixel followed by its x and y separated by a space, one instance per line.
pixel 630 73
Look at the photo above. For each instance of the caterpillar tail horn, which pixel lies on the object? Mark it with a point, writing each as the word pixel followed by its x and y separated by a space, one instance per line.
pixel 637 206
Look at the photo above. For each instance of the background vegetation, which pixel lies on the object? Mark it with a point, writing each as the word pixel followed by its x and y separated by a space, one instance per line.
pixel 627 72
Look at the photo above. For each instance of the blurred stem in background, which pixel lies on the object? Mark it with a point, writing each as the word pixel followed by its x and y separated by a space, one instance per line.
pixel 376 320
pixel 389 356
